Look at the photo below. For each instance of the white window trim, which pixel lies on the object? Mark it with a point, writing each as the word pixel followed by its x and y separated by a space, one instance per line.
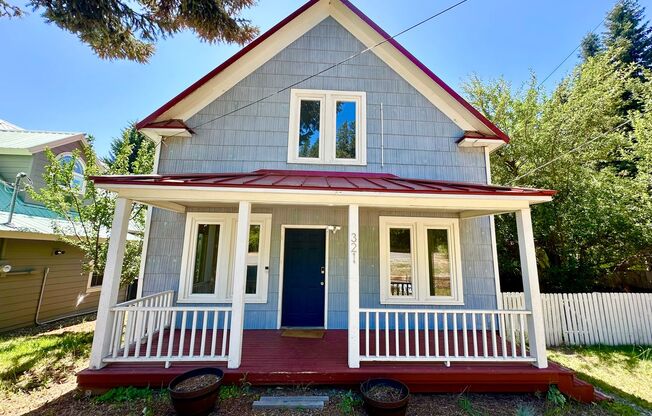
pixel 90 288
pixel 77 158
pixel 226 245
pixel 419 227
pixel 328 129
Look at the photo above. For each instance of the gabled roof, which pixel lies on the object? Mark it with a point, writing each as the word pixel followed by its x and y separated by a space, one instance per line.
pixel 26 142
pixel 263 48
pixel 321 181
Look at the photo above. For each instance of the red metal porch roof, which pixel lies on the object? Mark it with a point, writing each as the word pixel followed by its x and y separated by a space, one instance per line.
pixel 322 181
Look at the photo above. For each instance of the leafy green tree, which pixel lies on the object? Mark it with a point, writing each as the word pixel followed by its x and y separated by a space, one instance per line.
pixel 119 29
pixel 599 224
pixel 87 211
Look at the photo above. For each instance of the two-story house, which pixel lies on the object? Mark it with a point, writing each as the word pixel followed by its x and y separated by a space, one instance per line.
pixel 322 213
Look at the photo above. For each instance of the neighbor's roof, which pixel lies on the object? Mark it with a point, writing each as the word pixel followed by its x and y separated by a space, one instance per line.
pixel 27 142
pixel 5 125
pixel 322 181
pixel 38 221
pixel 347 14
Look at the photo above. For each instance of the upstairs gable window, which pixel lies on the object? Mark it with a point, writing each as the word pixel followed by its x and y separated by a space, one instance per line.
pixel 327 127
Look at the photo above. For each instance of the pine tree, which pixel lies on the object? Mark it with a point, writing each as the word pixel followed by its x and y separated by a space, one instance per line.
pixel 591 46
pixel 141 156
pixel 628 30
pixel 121 29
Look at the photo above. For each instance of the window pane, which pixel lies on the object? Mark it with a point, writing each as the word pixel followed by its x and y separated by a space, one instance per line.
pixel 345 136
pixel 96 279
pixel 208 237
pixel 400 261
pixel 309 128
pixel 78 167
pixel 252 260
pixel 439 271
pixel 252 279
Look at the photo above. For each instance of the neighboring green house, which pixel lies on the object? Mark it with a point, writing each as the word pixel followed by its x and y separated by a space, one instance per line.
pixel 41 278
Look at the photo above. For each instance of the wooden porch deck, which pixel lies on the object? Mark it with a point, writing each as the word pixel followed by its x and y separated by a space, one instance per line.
pixel 270 359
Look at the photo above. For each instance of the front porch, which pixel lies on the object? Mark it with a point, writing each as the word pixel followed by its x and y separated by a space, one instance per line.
pixel 268 358
pixel 434 343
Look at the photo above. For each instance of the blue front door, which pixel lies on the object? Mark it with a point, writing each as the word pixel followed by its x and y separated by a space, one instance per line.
pixel 304 278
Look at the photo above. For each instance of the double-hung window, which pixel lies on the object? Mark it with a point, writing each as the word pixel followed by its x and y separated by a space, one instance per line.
pixel 420 261
pixel 207 263
pixel 327 127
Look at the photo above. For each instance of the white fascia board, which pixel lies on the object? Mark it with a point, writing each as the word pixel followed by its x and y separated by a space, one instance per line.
pixel 60 142
pixel 491 144
pixel 247 63
pixel 181 194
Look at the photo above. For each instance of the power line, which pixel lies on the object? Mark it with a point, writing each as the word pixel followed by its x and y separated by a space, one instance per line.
pixel 569 55
pixel 575 149
pixel 355 55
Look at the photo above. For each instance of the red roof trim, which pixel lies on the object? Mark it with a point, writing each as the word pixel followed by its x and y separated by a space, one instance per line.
pixel 321 181
pixel 499 133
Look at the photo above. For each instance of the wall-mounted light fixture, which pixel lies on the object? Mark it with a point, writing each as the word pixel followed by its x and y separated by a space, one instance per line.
pixel 58 252
pixel 333 228
pixel 6 268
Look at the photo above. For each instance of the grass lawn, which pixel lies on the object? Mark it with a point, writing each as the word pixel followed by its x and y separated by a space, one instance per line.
pixel 37 377
pixel 624 371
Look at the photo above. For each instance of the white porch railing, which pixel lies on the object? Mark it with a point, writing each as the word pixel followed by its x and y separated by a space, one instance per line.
pixel 151 329
pixel 444 335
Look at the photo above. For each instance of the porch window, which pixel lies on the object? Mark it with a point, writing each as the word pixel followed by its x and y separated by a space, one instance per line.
pixel 207 263
pixel 420 261
pixel 327 127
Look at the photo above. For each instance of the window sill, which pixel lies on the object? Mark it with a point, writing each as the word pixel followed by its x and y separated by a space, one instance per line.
pixel 93 289
pixel 439 302
pixel 213 300
pixel 330 162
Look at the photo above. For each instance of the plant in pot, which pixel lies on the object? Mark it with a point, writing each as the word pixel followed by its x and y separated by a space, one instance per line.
pixel 385 397
pixel 195 392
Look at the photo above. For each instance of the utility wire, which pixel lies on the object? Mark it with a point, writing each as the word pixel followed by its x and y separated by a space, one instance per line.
pixel 335 65
pixel 569 55
pixel 575 149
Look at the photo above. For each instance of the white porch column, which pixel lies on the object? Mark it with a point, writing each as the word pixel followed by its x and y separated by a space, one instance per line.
pixel 110 282
pixel 531 291
pixel 354 287
pixel 239 276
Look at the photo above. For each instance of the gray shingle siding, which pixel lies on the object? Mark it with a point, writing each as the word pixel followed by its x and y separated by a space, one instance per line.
pixel 419 142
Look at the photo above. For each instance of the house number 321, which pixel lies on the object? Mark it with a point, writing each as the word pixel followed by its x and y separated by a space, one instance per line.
pixel 354 246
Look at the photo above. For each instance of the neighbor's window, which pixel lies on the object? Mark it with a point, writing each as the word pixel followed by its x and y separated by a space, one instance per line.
pixel 94 281
pixel 78 180
pixel 207 264
pixel 327 127
pixel 420 260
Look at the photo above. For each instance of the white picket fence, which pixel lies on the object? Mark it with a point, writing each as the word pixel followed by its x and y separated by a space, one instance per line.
pixel 592 318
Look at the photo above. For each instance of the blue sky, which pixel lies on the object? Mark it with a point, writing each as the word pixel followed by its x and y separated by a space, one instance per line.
pixel 51 81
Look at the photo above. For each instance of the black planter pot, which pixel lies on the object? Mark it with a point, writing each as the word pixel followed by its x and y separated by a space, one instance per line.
pixel 377 408
pixel 198 402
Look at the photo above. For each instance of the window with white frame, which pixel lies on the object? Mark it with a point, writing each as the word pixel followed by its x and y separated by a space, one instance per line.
pixel 327 127
pixel 78 180
pixel 420 261
pixel 94 281
pixel 207 262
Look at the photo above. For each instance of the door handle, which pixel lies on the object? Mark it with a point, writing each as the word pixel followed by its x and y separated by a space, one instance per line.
pixel 321 283
pixel 323 270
